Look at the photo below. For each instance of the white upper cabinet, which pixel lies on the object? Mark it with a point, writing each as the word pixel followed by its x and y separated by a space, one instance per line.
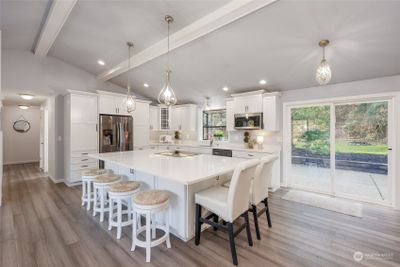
pixel 184 118
pixel 141 114
pixel 230 115
pixel 271 112
pixel 83 108
pixel 248 104
pixel 154 118
pixel 108 104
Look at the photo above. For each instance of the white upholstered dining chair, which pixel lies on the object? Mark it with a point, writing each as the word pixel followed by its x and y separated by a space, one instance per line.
pixel 227 204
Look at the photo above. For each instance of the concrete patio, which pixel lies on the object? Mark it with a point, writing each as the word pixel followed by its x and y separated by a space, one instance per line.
pixel 363 185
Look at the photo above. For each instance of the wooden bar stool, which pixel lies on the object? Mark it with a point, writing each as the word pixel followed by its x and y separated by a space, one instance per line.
pixel 150 203
pixel 101 184
pixel 121 193
pixel 88 177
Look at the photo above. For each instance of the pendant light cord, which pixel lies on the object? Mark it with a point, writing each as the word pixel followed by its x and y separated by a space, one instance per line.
pixel 129 67
pixel 168 61
pixel 323 53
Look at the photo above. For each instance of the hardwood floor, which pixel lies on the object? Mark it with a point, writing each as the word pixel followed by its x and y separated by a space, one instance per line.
pixel 43 224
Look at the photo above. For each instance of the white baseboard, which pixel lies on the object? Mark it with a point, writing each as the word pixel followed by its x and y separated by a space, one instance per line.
pixel 21 162
pixel 56 181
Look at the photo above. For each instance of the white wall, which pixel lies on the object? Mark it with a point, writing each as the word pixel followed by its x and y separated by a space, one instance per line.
pixel 21 147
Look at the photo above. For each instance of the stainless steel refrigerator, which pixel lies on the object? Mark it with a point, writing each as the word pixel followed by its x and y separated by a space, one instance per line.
pixel 116 133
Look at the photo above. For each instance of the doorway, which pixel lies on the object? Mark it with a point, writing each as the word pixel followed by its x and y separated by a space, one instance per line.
pixel 341 148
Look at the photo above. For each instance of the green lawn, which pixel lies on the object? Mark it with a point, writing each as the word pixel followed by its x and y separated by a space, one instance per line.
pixel 344 147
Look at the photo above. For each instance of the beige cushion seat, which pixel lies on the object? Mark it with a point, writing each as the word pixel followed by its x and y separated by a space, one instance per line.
pixel 151 197
pixel 215 199
pixel 107 178
pixel 93 172
pixel 124 187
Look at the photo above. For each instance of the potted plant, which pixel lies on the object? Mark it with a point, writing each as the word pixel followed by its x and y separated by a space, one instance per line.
pixel 218 135
pixel 177 136
pixel 246 139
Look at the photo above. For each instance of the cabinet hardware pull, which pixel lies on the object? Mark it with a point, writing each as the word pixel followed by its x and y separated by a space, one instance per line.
pixel 84 166
pixel 84 159
pixel 85 153
pixel 250 155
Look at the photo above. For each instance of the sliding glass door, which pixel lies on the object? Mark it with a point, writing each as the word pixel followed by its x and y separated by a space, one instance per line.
pixel 341 149
pixel 361 157
pixel 310 148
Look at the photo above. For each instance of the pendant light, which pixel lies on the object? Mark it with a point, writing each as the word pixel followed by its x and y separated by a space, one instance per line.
pixel 130 102
pixel 167 94
pixel 323 74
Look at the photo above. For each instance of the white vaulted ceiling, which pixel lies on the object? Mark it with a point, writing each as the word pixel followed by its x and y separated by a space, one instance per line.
pixel 278 43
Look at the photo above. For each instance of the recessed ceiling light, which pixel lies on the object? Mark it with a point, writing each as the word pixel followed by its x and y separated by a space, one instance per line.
pixel 26 96
pixel 225 88
pixel 23 106
pixel 262 82
pixel 146 85
pixel 101 62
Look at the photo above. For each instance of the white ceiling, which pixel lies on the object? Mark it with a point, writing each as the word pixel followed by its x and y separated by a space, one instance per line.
pixel 278 43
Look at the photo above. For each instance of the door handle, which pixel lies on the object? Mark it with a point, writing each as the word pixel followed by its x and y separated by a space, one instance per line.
pixel 390 149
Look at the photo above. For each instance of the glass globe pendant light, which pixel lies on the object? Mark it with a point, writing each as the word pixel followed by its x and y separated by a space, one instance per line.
pixel 129 101
pixel 167 94
pixel 323 74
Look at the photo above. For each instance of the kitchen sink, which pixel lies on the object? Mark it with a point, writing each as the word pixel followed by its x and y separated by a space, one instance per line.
pixel 176 153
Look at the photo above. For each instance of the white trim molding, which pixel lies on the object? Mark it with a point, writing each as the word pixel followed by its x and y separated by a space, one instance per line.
pixel 223 16
pixel 57 16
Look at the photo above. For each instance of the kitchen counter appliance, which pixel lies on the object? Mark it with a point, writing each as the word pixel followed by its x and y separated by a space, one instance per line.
pixel 248 121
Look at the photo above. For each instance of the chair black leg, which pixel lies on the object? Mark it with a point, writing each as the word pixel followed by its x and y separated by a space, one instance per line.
pixel 249 239
pixel 215 219
pixel 254 210
pixel 232 243
pixel 198 225
pixel 267 212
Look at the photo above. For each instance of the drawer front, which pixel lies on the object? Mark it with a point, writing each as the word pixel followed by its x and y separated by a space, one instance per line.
pixel 83 160
pixel 83 166
pixel 246 155
pixel 79 154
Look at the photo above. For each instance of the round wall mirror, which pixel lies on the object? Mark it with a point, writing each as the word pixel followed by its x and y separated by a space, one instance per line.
pixel 22 126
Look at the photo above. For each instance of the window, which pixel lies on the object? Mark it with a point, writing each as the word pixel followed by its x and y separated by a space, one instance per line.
pixel 214 124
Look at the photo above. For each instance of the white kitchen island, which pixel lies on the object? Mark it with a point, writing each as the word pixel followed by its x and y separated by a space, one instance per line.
pixel 182 177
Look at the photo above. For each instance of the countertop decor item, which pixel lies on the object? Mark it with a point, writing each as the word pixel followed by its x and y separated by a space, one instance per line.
pixel 21 125
pixel 246 139
pixel 177 135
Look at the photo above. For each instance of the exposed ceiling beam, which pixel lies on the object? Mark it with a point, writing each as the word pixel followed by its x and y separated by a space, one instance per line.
pixel 207 24
pixel 58 14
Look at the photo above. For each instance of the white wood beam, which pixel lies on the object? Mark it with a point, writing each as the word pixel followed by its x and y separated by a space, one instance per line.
pixel 57 16
pixel 207 24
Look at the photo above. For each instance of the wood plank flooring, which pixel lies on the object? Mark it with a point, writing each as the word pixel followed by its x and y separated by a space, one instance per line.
pixel 43 224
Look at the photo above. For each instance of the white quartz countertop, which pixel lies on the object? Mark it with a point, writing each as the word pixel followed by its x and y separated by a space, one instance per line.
pixel 186 170
pixel 270 149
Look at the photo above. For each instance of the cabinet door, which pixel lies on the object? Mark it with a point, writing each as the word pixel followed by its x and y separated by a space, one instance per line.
pixel 230 115
pixel 248 104
pixel 107 104
pixel 83 109
pixel 141 135
pixel 83 136
pixel 271 114
pixel 176 119
pixel 154 118
pixel 141 114
pixel 177 203
pixel 165 120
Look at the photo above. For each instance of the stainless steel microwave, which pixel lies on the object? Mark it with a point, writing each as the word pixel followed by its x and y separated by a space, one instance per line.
pixel 249 121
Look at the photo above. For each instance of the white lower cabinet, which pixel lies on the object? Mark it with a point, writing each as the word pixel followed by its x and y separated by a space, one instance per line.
pixel 177 205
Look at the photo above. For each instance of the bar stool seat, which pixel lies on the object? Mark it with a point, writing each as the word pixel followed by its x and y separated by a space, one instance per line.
pixel 101 185
pixel 87 185
pixel 121 193
pixel 149 203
